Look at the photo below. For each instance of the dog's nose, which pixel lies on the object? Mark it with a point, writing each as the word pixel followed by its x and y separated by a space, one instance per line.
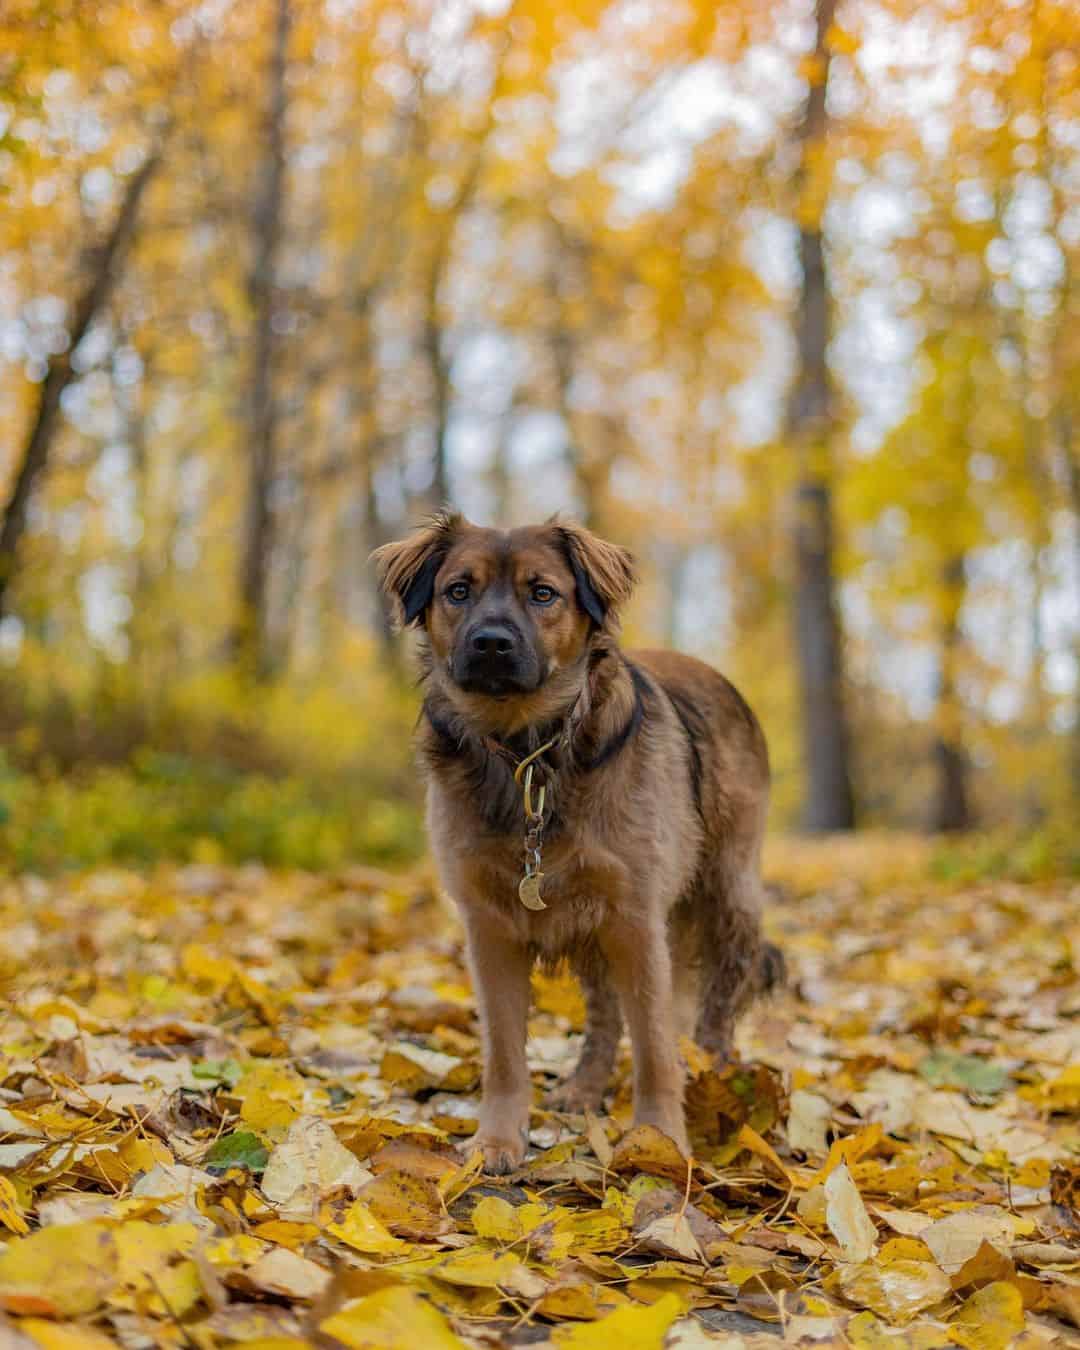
pixel 493 640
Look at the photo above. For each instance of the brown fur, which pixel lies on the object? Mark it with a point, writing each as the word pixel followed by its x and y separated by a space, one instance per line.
pixel 651 858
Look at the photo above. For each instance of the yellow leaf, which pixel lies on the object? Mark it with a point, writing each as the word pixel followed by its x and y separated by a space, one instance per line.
pixel 64 1271
pixel 64 1336
pixel 990 1319
pixel 201 966
pixel 407 1205
pixel 390 1319
pixel 749 1138
pixel 238 1249
pixel 896 1291
pixel 1061 1093
pixel 362 1231
pixel 11 1215
pixel 851 1149
pixel 629 1328
pixel 865 1332
pixel 497 1219
pixel 489 1270
pixel 270 1095
pixel 151 1270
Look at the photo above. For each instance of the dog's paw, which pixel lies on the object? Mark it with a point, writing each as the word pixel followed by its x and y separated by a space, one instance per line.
pixel 502 1153
pixel 575 1096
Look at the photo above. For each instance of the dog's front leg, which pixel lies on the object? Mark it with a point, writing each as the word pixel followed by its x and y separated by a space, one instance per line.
pixel 500 968
pixel 637 953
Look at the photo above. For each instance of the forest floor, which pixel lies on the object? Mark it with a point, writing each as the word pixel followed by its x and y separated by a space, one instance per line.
pixel 231 1105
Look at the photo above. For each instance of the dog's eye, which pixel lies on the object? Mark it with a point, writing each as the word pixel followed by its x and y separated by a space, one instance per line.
pixel 458 593
pixel 543 595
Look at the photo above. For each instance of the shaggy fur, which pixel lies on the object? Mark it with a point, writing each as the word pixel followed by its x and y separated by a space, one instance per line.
pixel 657 795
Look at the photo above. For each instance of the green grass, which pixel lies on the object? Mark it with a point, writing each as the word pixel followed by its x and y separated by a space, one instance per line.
pixel 169 806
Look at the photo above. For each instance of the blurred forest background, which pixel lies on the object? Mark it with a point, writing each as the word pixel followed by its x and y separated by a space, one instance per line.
pixel 785 295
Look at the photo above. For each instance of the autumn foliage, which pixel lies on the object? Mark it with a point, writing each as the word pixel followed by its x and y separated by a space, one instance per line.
pixel 781 295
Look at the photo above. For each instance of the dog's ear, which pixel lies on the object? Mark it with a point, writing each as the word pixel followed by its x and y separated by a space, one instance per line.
pixel 604 574
pixel 407 567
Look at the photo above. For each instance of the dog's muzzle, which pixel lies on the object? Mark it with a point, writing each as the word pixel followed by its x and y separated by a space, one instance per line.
pixel 492 658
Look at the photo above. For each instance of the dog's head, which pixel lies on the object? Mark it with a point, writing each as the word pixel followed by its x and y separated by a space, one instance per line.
pixel 508 614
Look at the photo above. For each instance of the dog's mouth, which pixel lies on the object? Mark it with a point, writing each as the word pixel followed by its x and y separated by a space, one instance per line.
pixel 497 675
pixel 495 683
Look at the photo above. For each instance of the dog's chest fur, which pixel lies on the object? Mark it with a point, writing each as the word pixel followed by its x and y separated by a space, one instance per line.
pixel 477 826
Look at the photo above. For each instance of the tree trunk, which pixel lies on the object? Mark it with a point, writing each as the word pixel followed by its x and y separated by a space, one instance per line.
pixel 951 810
pixel 829 801
pixel 431 344
pixel 250 639
pixel 1071 460
pixel 105 263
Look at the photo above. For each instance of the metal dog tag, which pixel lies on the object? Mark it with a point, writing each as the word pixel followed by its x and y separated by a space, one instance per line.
pixel 529 891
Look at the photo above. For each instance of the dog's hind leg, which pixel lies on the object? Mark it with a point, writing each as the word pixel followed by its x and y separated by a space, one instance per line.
pixel 584 1089
pixel 733 957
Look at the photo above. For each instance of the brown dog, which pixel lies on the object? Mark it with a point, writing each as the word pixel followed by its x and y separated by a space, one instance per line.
pixel 655 776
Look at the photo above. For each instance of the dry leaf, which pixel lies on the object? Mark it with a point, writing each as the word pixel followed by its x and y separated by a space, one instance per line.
pixel 287 1275
pixel 647 1149
pixel 847 1218
pixel 408 1206
pixel 362 1231
pixel 956 1239
pixel 630 1328
pixel 896 1290
pixel 808 1120
pixel 307 1164
pixel 391 1319
pixel 990 1319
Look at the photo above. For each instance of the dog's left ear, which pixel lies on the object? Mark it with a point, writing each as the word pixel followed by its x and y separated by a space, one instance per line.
pixel 604 574
pixel 407 568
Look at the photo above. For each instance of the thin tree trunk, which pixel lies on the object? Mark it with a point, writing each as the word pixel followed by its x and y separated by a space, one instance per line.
pixel 250 638
pixel 105 262
pixel 1071 458
pixel 829 801
pixel 439 370
pixel 951 810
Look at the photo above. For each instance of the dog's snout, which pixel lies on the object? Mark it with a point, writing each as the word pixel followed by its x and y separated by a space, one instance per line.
pixel 493 640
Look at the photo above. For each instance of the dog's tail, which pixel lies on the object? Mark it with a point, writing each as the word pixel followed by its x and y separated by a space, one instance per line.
pixel 772 968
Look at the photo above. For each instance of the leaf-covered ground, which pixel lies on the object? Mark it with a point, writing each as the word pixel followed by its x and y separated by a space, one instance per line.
pixel 232 1104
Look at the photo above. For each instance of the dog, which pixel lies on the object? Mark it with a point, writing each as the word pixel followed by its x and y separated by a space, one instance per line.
pixel 646 780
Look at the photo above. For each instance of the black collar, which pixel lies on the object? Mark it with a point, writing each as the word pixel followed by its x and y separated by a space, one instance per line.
pixel 455 741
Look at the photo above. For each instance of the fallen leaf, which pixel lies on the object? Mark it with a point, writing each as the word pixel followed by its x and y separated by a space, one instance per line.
pixel 391 1319
pixel 630 1328
pixel 362 1231
pixel 644 1148
pixel 287 1275
pixel 670 1235
pixel 946 1068
pixel 408 1206
pixel 896 1291
pixel 64 1271
pixel 307 1164
pixel 847 1218
pixel 11 1215
pixel 808 1120
pixel 955 1239
pixel 239 1149
pixel 990 1319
